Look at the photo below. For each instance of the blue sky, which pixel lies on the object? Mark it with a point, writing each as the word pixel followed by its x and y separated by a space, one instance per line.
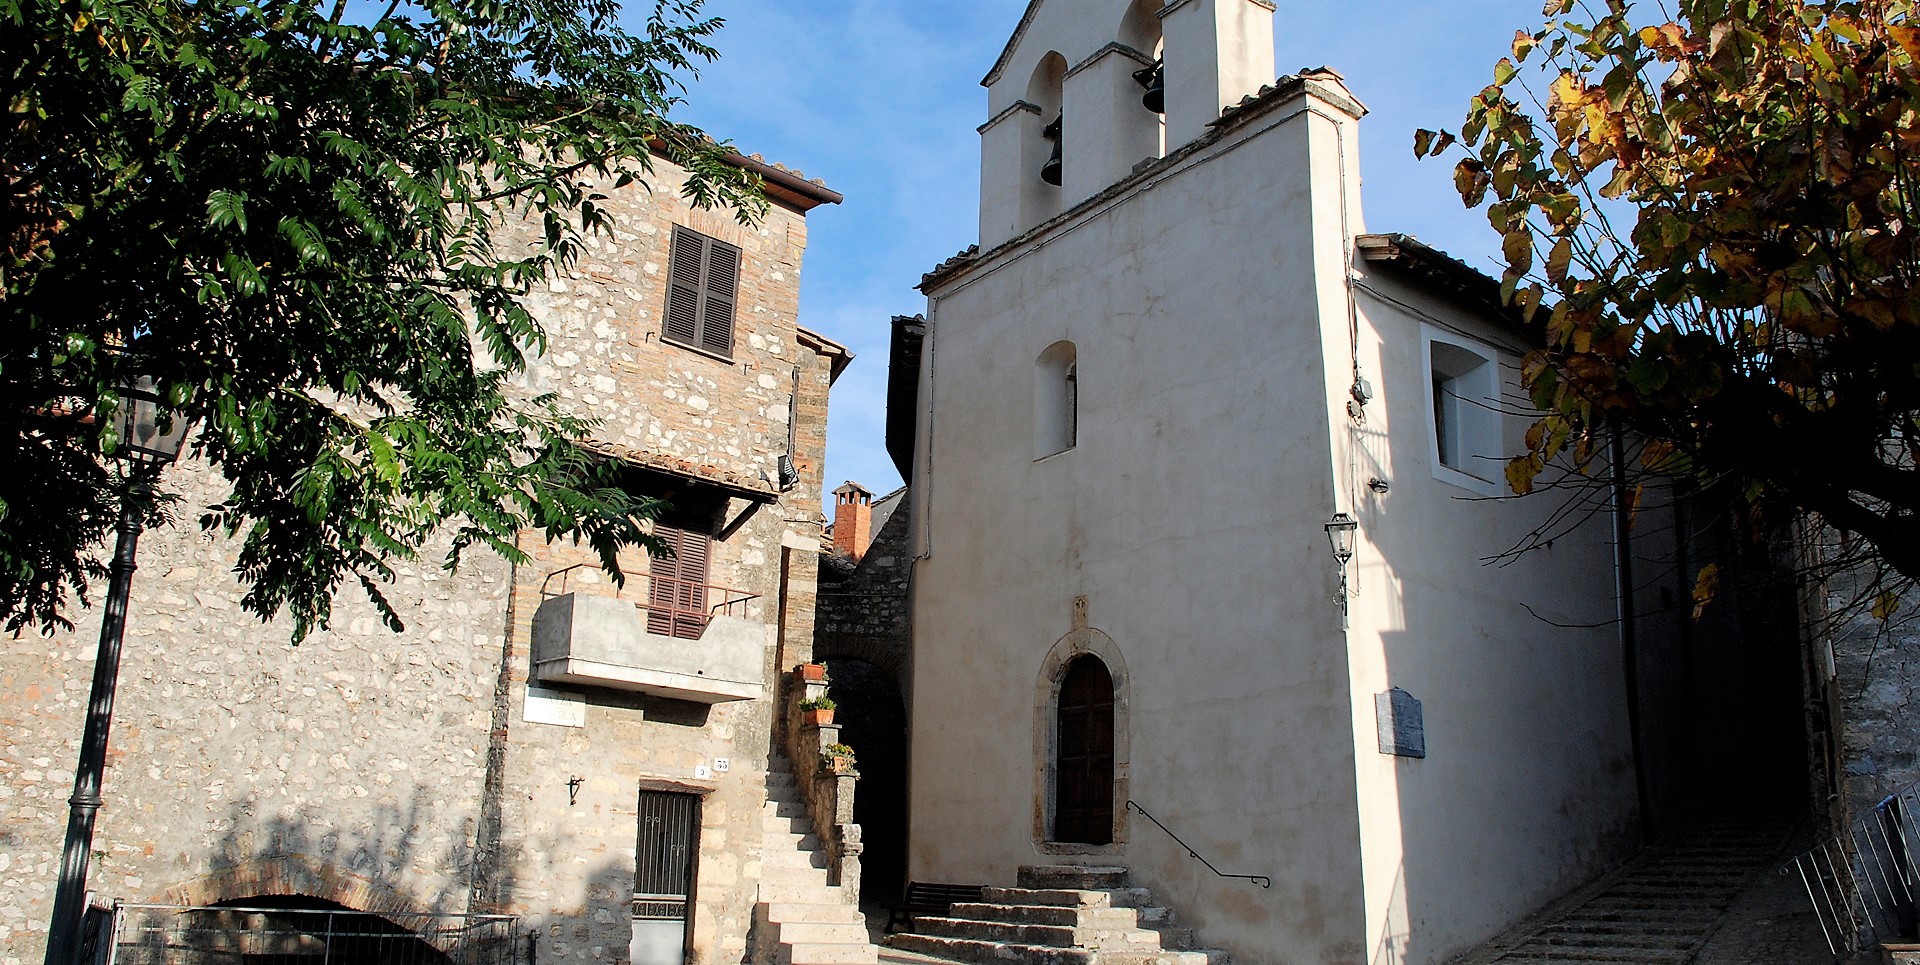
pixel 880 99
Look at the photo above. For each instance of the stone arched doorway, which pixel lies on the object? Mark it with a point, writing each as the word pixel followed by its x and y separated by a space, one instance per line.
pixel 873 721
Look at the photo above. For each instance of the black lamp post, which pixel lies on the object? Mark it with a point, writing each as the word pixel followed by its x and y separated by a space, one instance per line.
pixel 150 438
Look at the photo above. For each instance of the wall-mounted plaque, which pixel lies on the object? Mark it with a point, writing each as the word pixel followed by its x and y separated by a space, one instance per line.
pixel 1402 731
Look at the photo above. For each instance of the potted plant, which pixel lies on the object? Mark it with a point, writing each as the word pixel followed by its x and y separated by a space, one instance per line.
pixel 837 759
pixel 815 711
pixel 813 672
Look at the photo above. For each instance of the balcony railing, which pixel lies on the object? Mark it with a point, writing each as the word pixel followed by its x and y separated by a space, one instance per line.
pixel 673 607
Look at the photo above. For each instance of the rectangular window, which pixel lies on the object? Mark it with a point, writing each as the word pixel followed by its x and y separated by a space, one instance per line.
pixel 1463 381
pixel 703 276
pixel 677 584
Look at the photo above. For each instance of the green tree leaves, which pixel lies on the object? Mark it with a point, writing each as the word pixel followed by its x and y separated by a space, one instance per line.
pixel 302 220
pixel 1721 211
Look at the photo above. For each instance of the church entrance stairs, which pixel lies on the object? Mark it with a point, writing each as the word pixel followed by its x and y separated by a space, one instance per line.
pixel 1060 915
pixel 1659 909
pixel 800 919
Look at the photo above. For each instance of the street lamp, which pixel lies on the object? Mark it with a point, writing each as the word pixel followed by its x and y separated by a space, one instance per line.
pixel 1340 531
pixel 150 438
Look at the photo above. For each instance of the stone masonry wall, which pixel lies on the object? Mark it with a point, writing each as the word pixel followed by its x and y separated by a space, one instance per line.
pixel 863 612
pixel 358 756
pixel 1872 692
pixel 401 771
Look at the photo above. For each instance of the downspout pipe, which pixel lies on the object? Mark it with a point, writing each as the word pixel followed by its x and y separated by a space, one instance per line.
pixel 1625 609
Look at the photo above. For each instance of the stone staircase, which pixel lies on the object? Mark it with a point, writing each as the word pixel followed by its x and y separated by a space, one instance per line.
pixel 800 919
pixel 1659 909
pixel 1060 915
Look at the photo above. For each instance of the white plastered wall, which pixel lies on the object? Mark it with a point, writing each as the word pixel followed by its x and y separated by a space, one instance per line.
pixel 1188 515
pixel 1527 788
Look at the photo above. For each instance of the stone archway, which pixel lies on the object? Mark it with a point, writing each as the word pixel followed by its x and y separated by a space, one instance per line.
pixel 1082 641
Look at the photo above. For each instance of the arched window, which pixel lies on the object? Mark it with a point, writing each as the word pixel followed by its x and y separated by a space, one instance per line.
pixel 1083 754
pixel 1056 400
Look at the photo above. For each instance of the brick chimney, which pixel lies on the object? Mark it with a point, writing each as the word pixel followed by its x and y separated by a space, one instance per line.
pixel 852 521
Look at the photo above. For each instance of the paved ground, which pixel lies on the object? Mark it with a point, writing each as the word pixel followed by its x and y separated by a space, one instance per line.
pixel 1770 923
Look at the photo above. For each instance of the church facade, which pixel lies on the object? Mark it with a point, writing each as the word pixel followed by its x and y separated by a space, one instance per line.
pixel 1207 480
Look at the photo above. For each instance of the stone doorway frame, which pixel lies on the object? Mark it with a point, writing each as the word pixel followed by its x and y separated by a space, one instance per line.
pixel 1053 671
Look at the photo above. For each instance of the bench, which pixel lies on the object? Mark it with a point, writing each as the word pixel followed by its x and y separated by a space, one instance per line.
pixel 930 899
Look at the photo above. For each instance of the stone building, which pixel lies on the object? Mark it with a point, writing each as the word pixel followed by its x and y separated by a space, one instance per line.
pixel 862 635
pixel 594 766
pixel 1205 482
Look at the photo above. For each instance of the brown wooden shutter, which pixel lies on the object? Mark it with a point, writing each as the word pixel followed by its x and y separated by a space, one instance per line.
pixel 716 316
pixel 683 290
pixel 677 588
pixel 704 279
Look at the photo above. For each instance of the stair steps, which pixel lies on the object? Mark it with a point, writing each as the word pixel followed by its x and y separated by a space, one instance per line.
pixel 1657 910
pixel 1059 915
pixel 799 918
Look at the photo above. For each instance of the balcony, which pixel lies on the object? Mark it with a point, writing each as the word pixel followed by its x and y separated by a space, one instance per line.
pixel 679 643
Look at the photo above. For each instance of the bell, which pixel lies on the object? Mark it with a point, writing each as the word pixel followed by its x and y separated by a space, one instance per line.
pixel 1154 79
pixel 1050 171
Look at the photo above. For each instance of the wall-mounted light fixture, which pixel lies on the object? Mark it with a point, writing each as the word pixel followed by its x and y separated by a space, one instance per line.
pixel 1340 530
pixel 573 790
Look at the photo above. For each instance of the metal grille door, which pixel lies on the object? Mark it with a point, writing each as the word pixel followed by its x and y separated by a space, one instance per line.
pixel 663 876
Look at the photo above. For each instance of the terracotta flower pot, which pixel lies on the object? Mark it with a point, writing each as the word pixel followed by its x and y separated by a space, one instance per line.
pixel 839 765
pixel 816 717
pixel 813 672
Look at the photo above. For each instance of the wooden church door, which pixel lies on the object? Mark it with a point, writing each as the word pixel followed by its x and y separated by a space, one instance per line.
pixel 1083 761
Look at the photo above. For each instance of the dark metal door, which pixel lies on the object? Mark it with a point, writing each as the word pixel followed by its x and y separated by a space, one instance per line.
pixel 663 876
pixel 1083 765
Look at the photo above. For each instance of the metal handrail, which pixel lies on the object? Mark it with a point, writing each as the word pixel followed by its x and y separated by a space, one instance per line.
pixel 727 595
pixel 1261 880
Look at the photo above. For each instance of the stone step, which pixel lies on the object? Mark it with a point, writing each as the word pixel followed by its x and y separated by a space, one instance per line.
pixel 792 858
pixel 1564 938
pixel 1021 934
pixel 785 809
pixel 990 953
pixel 773 874
pixel 1198 956
pixel 826 953
pixel 811 892
pixel 789 840
pixel 1175 937
pixel 1072 877
pixel 1086 898
pixel 806 932
pixel 1069 915
pixel 1604 953
pixel 776 825
pixel 789 911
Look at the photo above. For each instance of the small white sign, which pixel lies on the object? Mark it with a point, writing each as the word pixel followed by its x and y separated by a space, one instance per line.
pixel 554 707
pixel 702 771
pixel 721 764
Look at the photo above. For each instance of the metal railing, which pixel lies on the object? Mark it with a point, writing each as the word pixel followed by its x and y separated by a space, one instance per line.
pixel 1261 880
pixel 202 935
pixel 671 604
pixel 1862 883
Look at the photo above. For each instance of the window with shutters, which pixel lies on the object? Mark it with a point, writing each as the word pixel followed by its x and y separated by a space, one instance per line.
pixel 677 585
pixel 703 279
